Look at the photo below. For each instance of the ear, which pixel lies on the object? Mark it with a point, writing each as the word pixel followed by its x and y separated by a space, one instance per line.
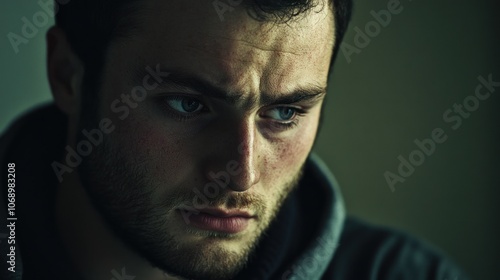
pixel 65 72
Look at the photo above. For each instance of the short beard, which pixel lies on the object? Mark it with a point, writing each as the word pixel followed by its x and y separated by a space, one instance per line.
pixel 120 190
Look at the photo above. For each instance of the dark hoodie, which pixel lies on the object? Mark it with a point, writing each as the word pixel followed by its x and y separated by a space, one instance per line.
pixel 310 239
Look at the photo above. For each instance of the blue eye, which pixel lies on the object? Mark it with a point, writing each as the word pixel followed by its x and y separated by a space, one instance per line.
pixel 281 113
pixel 185 105
pixel 286 113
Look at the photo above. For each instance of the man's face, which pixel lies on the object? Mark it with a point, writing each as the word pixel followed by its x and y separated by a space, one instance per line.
pixel 241 100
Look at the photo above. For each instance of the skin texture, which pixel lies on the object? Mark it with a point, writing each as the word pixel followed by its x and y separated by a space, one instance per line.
pixel 121 209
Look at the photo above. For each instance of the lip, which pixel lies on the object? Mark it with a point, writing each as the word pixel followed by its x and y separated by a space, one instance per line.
pixel 217 212
pixel 220 220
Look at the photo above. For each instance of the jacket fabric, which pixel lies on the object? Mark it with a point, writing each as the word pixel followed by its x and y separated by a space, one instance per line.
pixel 311 237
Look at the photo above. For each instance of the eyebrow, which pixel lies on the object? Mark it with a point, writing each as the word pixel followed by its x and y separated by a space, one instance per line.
pixel 185 80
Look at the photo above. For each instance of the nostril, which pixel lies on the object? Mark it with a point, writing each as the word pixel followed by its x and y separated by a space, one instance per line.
pixel 238 188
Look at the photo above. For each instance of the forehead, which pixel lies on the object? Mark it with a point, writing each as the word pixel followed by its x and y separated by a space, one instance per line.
pixel 230 48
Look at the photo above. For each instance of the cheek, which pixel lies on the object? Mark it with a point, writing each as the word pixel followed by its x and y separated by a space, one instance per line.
pixel 289 155
pixel 159 153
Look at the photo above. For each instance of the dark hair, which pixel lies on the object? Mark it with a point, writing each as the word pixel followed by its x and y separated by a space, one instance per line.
pixel 90 25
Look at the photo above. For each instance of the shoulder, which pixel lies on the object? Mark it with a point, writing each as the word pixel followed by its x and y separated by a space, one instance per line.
pixel 371 252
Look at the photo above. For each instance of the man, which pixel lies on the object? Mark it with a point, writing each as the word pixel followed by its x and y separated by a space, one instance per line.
pixel 179 147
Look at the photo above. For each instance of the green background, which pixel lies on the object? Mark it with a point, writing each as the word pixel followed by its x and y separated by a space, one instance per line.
pixel 394 91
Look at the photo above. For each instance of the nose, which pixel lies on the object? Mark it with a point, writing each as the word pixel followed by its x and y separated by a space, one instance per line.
pixel 238 158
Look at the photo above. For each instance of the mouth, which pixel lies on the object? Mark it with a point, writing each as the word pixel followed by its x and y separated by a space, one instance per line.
pixel 221 220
